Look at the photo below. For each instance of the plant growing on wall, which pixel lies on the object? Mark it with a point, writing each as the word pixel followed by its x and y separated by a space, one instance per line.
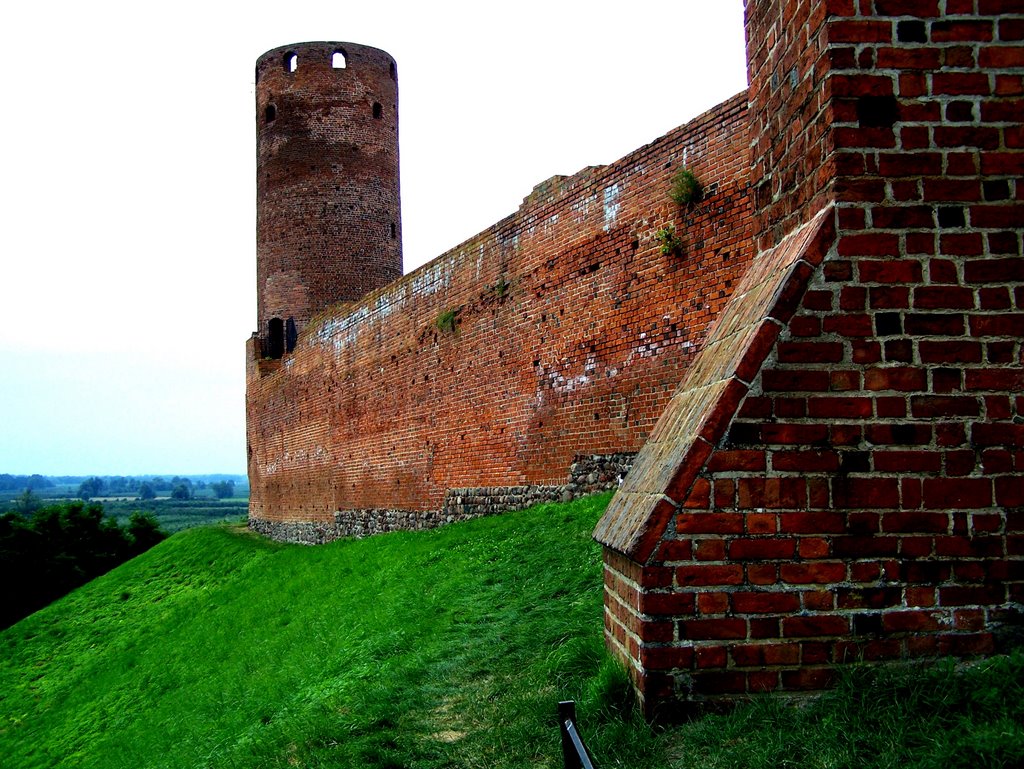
pixel 686 188
pixel 501 287
pixel 445 321
pixel 670 244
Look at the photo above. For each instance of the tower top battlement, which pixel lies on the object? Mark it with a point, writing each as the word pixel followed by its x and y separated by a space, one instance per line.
pixel 289 63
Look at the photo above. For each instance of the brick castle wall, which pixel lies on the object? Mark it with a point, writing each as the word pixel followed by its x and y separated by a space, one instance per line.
pixel 560 331
pixel 822 384
pixel 860 495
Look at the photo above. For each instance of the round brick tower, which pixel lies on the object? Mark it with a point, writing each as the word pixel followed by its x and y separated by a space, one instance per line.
pixel 328 222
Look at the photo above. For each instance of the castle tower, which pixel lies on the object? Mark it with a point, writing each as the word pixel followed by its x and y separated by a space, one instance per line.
pixel 328 222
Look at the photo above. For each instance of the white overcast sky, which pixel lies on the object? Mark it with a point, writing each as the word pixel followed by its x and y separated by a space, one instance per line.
pixel 127 202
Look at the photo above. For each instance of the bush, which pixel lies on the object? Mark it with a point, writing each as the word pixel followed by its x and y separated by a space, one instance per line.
pixel 670 244
pixel 445 322
pixel 686 188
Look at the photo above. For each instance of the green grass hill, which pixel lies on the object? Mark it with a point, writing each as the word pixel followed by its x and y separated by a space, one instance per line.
pixel 220 649
pixel 446 648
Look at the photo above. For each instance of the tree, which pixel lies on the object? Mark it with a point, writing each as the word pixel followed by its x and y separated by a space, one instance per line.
pixel 14 482
pixel 36 481
pixel 89 488
pixel 145 531
pixel 146 491
pixel 181 491
pixel 27 502
pixel 223 489
pixel 61 547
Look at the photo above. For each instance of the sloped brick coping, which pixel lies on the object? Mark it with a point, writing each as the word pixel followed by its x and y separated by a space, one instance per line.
pixel 707 399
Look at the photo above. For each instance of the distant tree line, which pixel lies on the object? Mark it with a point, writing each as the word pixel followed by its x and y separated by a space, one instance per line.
pixel 27 493
pixel 55 549
pixel 21 482
pixel 176 488
pixel 118 486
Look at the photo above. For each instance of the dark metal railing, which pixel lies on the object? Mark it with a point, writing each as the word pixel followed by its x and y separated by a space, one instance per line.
pixel 574 752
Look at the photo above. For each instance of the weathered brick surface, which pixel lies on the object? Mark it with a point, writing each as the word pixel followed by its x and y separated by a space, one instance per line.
pixel 710 394
pixel 569 331
pixel 790 115
pixel 328 224
pixel 864 501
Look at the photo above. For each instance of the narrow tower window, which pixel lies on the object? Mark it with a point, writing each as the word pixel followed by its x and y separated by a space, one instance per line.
pixel 270 113
pixel 377 110
pixel 393 230
pixel 291 335
pixel 291 61
pixel 275 338
pixel 394 74
pixel 339 60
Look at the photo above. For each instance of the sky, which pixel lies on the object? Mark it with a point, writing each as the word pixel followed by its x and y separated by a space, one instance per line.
pixel 127 192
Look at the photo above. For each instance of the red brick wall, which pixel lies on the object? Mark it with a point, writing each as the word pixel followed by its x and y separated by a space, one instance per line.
pixel 866 501
pixel 328 224
pixel 570 331
pixel 790 114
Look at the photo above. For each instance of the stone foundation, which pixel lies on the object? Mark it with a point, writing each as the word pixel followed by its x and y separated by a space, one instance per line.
pixel 589 474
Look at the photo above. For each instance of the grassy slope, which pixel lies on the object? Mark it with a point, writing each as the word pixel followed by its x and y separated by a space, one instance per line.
pixel 444 648
pixel 447 648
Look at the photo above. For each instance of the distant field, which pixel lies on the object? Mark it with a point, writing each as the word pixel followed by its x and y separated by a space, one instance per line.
pixel 173 514
pixel 177 514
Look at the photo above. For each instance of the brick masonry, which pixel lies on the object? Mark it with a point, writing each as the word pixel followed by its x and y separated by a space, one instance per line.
pixel 588 475
pixel 561 331
pixel 853 489
pixel 327 216
pixel 823 381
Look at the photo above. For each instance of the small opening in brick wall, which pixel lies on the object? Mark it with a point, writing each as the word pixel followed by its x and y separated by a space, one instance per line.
pixel 291 61
pixel 291 335
pixel 960 112
pixel 877 111
pixel 394 73
pixel 378 110
pixel 888 324
pixel 997 189
pixel 951 216
pixel 339 60
pixel 393 230
pixel 270 113
pixel 911 32
pixel 275 338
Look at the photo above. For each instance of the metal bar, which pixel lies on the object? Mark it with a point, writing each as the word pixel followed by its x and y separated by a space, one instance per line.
pixel 574 752
pixel 581 750
pixel 567 715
